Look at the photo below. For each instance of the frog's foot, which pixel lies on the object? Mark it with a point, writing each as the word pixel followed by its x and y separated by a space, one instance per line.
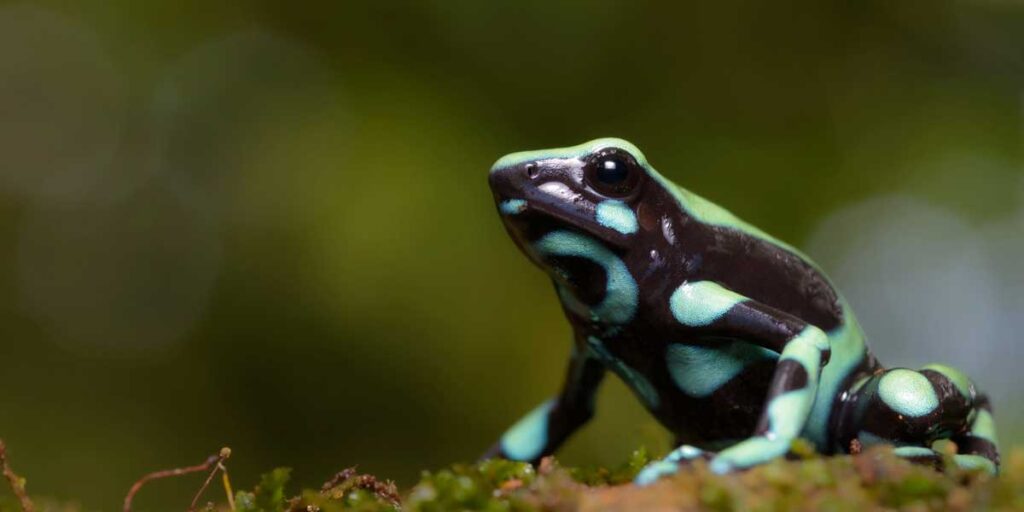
pixel 919 455
pixel 669 465
pixel 978 447
pixel 930 457
pixel 750 452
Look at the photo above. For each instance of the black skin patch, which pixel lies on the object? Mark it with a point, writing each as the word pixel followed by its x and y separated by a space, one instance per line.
pixel 798 376
pixel 584 278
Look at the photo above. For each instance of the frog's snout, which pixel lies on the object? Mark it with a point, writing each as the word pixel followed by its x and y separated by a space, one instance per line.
pixel 510 181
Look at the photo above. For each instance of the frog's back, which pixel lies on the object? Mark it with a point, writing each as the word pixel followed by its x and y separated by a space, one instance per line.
pixel 748 261
pixel 755 264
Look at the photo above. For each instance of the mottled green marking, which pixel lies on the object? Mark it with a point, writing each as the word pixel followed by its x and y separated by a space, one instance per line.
pixel 871 439
pixel 974 462
pixel 806 349
pixel 655 471
pixel 526 439
pixel 847 344
pixel 961 381
pixel 684 452
pixel 984 426
pixel 702 302
pixel 749 452
pixel 908 392
pixel 512 206
pixel 634 379
pixel 621 294
pixel 788 411
pixel 700 370
pixel 614 214
pixel 913 451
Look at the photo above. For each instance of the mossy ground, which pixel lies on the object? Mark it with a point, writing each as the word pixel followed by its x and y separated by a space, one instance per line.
pixel 873 480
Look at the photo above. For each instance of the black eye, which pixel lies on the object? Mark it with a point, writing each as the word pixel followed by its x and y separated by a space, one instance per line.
pixel 612 171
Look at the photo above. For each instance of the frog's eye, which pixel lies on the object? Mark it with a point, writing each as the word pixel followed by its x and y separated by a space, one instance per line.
pixel 613 172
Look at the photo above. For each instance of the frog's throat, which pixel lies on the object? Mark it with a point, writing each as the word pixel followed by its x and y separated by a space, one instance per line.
pixel 621 295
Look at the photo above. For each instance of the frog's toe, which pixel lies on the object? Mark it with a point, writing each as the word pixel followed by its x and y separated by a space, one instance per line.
pixel 687 452
pixel 670 464
pixel 751 452
pixel 655 471
pixel 721 466
pixel 976 462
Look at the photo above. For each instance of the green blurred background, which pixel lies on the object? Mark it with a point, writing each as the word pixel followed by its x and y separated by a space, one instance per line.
pixel 268 225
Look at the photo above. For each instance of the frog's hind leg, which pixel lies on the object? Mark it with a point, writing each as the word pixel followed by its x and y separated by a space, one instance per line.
pixel 913 409
pixel 978 446
pixel 975 439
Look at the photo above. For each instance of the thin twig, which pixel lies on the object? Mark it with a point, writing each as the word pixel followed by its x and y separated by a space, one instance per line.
pixel 17 482
pixel 227 488
pixel 224 454
pixel 210 462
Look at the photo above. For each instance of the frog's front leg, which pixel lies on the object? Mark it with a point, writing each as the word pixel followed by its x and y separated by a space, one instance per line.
pixel 803 350
pixel 544 429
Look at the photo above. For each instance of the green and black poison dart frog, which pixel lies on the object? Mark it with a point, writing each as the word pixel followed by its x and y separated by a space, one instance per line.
pixel 735 341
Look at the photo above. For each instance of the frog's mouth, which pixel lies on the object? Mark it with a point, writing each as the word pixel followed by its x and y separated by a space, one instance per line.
pixel 536 198
pixel 530 220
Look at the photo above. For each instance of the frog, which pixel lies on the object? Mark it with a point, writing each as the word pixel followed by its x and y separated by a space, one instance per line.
pixel 733 340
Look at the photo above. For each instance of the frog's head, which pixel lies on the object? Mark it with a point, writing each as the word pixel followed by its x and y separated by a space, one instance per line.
pixel 598 194
pixel 593 189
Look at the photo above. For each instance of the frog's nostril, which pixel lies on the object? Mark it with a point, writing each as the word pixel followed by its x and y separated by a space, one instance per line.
pixel 531 170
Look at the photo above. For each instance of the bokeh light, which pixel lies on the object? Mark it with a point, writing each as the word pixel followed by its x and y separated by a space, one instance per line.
pixel 62 107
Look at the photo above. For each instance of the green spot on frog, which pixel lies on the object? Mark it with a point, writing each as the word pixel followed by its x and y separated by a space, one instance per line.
pixel 621 295
pixel 701 303
pixel 700 370
pixel 512 206
pixel 908 392
pixel 913 451
pixel 616 215
pixel 984 426
pixel 526 439
pixel 961 381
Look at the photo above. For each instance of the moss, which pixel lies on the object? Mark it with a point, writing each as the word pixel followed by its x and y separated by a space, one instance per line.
pixel 623 474
pixel 873 480
pixel 491 485
pixel 268 496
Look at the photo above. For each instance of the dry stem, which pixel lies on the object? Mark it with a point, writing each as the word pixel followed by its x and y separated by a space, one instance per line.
pixel 384 490
pixel 17 482
pixel 211 462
